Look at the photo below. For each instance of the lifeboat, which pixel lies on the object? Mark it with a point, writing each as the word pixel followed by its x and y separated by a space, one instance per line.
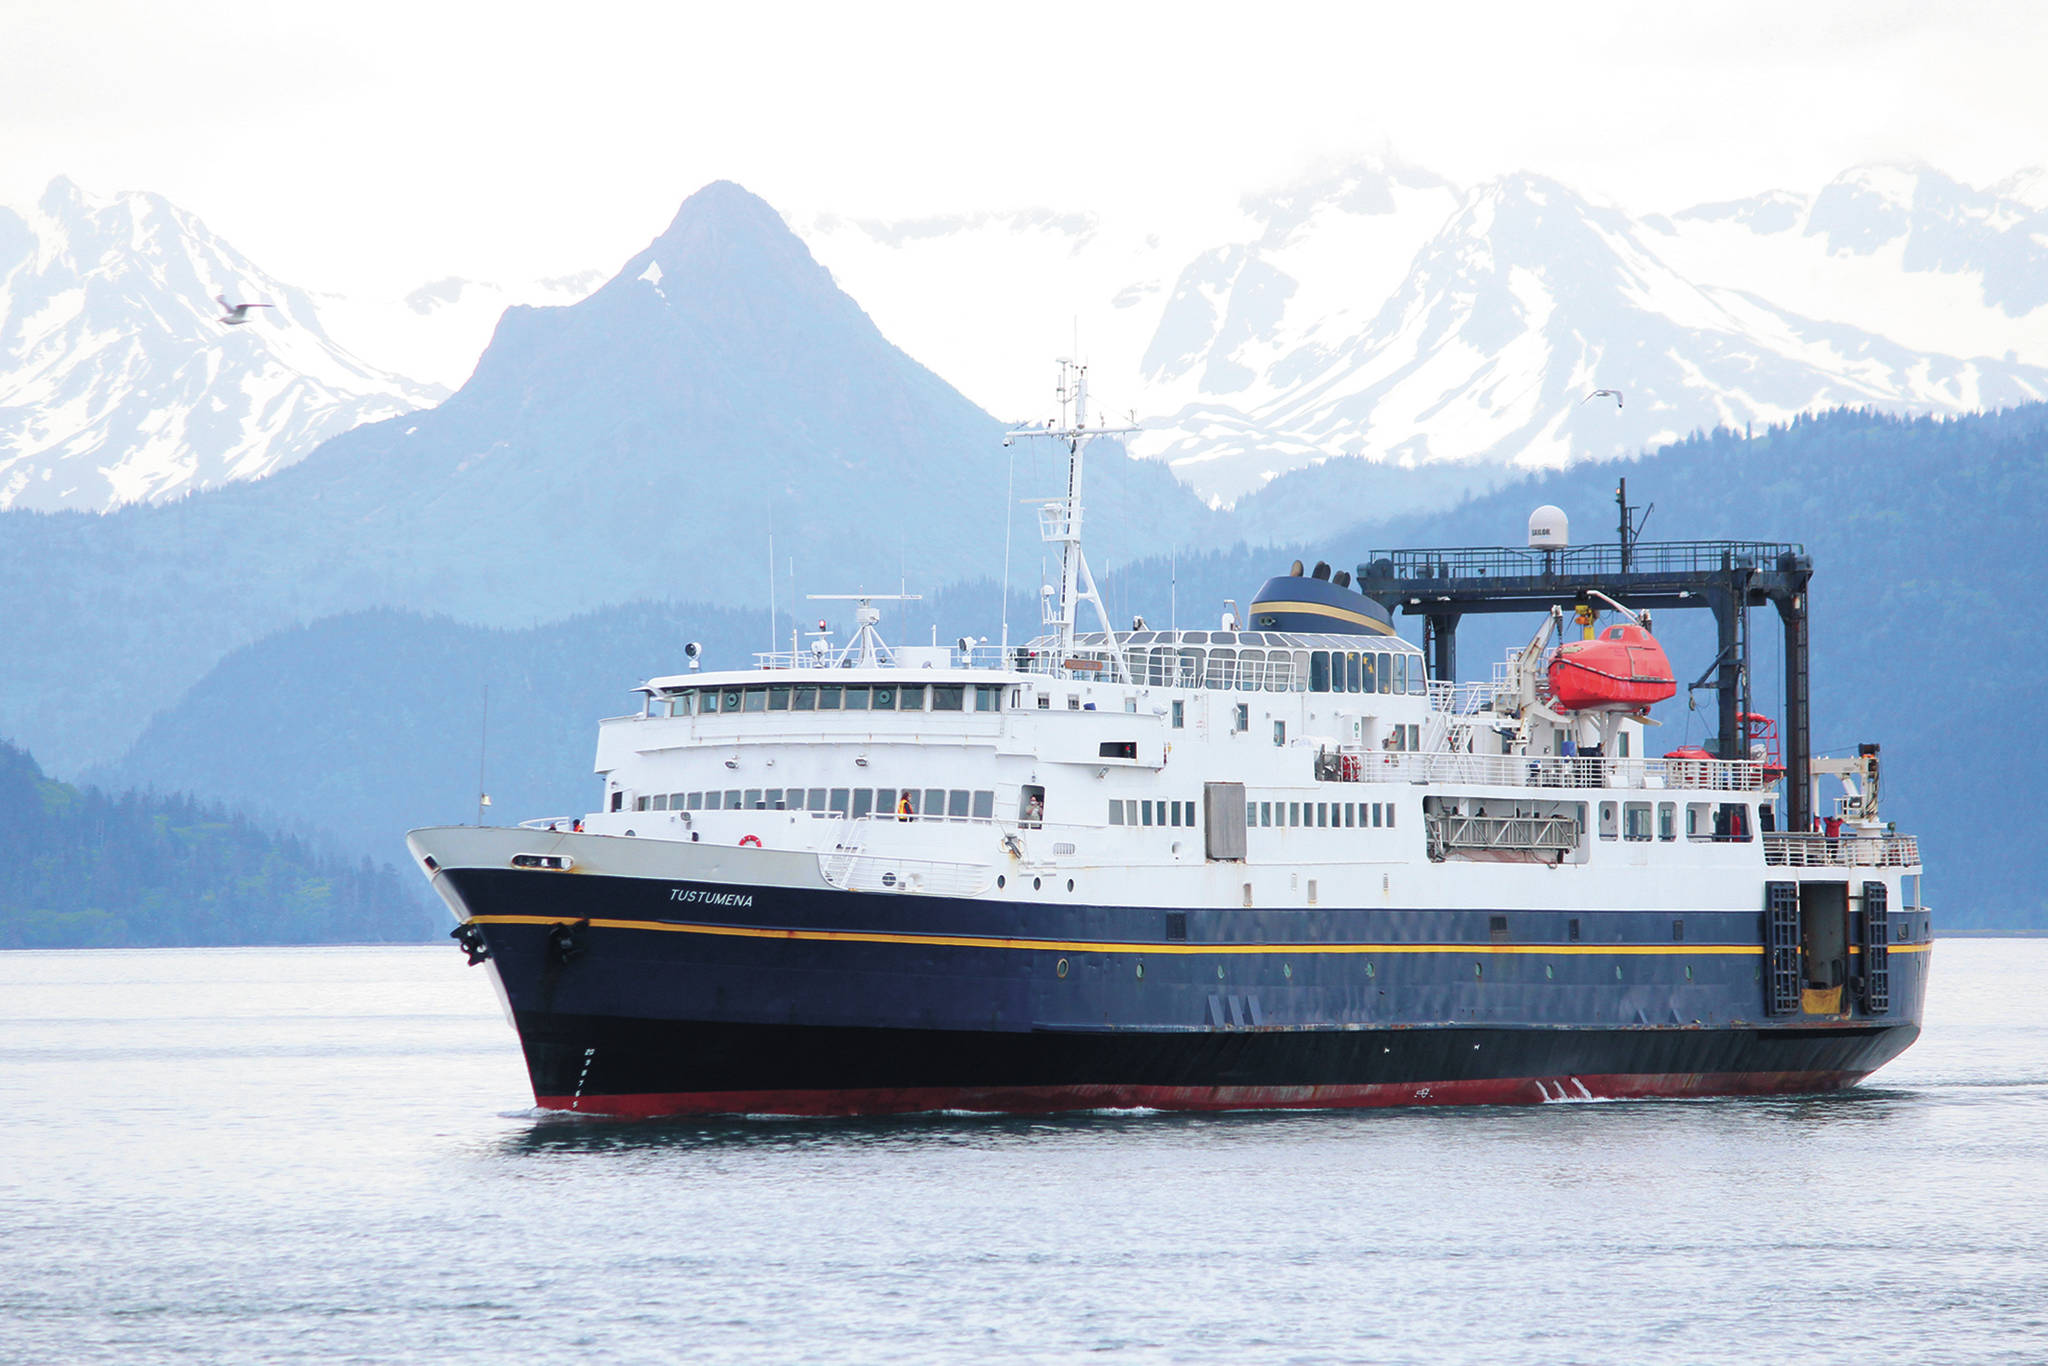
pixel 1623 666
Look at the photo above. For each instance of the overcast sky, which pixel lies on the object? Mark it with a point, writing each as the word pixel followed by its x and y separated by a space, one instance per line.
pixel 373 144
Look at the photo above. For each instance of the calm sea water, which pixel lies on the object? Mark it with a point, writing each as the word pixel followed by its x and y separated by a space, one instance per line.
pixel 328 1155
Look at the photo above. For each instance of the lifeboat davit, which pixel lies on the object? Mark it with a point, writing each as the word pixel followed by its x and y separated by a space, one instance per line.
pixel 1623 666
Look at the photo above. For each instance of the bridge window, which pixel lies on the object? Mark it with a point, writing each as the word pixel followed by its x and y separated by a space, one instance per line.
pixel 756 699
pixel 910 698
pixel 988 697
pixel 1190 675
pixel 957 800
pixel 934 801
pixel 841 801
pixel 1319 671
pixel 984 804
pixel 1251 668
pixel 949 697
pixel 1364 674
pixel 803 699
pixel 863 801
pixel 731 699
pixel 858 699
pixel 1222 668
pixel 732 799
pixel 884 699
pixel 828 697
pixel 778 699
pixel 752 801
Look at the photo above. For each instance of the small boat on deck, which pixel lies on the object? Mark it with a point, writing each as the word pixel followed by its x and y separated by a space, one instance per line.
pixel 1623 666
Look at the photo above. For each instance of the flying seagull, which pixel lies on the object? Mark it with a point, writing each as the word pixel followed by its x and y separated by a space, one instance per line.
pixel 237 314
pixel 1614 394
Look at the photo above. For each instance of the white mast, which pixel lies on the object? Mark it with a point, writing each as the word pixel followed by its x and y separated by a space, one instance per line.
pixel 1059 519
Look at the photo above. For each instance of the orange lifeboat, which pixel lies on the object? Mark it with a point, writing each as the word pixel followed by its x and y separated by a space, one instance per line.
pixel 1623 666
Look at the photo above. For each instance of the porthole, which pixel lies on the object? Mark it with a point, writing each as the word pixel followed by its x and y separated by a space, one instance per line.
pixel 1060 967
pixel 1478 970
pixel 1688 972
pixel 1617 972
pixel 1141 969
pixel 999 881
pixel 1070 884
pixel 1368 967
pixel 1547 972
pixel 1287 970
pixel 1219 972
pixel 1037 883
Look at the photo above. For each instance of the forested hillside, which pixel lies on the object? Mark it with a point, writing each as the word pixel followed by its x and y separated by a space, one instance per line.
pixel 93 870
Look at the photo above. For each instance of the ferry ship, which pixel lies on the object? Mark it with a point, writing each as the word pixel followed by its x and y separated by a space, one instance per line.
pixel 1287 861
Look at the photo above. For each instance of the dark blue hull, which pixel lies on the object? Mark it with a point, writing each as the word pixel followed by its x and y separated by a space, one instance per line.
pixel 643 996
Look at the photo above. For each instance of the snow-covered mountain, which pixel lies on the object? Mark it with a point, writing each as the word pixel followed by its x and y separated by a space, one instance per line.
pixel 118 384
pixel 1384 313
pixel 1525 302
pixel 1905 252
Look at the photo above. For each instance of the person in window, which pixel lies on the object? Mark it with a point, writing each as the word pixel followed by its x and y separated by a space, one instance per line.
pixel 905 808
pixel 1034 809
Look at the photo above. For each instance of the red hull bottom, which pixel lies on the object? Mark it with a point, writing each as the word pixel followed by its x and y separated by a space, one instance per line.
pixel 1052 1099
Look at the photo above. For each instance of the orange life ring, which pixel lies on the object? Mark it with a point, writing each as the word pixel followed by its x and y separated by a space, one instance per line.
pixel 746 840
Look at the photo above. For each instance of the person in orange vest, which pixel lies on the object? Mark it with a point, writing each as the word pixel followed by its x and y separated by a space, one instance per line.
pixel 904 809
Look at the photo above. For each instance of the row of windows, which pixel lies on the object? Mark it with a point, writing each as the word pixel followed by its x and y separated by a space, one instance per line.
pixel 1319 815
pixel 1322 815
pixel 1340 671
pixel 840 801
pixel 1126 812
pixel 1703 821
pixel 831 697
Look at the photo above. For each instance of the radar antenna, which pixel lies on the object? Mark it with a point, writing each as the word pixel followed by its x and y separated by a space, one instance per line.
pixel 1059 519
pixel 867 648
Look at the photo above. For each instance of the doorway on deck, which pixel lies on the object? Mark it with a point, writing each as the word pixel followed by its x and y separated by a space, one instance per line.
pixel 1823 946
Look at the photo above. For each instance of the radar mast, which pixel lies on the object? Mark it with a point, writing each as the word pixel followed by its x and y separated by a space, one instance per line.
pixel 1059 519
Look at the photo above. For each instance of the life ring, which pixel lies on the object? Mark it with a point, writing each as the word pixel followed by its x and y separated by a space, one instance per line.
pixel 746 840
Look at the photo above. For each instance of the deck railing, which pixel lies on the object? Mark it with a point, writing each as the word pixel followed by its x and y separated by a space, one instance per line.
pixel 1845 851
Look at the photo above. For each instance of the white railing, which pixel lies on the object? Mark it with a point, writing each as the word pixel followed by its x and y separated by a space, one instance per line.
pixel 1847 851
pixel 854 871
pixel 1511 770
pixel 1461 699
pixel 560 825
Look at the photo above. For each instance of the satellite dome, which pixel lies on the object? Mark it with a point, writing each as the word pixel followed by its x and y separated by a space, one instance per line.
pixel 1548 529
